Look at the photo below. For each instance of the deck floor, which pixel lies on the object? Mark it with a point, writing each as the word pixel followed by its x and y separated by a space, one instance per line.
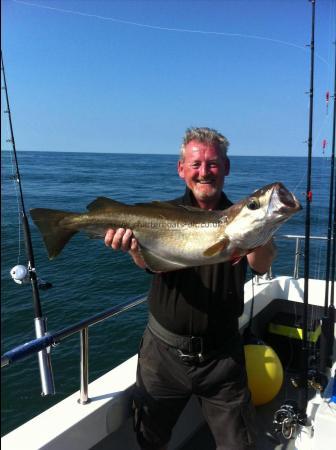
pixel 267 438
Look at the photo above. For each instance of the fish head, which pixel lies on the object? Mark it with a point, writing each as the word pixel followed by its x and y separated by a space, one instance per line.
pixel 253 221
pixel 276 201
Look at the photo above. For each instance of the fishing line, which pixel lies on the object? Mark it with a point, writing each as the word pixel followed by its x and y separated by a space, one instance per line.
pixel 321 128
pixel 252 303
pixel 291 353
pixel 248 335
pixel 327 118
pixel 13 177
pixel 332 32
pixel 161 28
pixel 319 219
pixel 29 271
pixel 327 334
pixel 303 391
pixel 304 175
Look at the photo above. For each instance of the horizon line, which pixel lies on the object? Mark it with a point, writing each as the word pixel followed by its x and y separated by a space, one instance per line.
pixel 158 154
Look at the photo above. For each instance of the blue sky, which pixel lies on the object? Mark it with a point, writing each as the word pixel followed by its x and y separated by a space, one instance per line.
pixel 131 76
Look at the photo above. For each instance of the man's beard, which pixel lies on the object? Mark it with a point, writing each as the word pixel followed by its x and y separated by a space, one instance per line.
pixel 209 193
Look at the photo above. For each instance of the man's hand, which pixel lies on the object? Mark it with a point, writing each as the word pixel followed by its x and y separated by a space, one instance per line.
pixel 121 239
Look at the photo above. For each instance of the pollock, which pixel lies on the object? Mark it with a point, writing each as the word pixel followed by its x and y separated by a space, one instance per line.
pixel 173 237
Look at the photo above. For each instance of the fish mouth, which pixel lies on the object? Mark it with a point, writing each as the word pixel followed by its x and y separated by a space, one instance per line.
pixel 283 202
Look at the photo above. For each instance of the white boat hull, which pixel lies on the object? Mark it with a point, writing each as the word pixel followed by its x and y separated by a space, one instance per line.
pixel 106 421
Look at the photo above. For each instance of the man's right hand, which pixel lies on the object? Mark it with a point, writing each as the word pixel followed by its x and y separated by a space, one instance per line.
pixel 121 239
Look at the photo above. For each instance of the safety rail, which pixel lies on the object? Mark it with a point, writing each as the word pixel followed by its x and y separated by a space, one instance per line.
pixel 298 240
pixel 52 339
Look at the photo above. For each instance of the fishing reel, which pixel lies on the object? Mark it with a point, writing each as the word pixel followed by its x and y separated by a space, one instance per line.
pixel 21 275
pixel 288 418
pixel 315 380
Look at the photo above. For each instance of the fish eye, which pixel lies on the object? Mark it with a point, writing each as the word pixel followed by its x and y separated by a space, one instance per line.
pixel 253 203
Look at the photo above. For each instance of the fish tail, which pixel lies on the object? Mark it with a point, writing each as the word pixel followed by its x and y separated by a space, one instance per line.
pixel 54 235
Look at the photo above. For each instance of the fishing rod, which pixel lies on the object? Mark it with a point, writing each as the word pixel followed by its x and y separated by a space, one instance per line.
pixel 303 388
pixel 327 329
pixel 47 382
pixel 292 414
pixel 333 261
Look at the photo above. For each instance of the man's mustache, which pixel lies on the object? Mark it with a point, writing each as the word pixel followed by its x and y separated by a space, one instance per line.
pixel 205 180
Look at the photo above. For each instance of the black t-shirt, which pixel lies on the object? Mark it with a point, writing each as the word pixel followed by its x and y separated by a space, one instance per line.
pixel 203 300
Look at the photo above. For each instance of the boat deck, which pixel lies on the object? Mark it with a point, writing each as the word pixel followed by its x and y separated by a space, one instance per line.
pixel 106 421
pixel 267 438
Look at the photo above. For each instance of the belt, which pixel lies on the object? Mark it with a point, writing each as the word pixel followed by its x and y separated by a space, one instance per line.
pixel 189 348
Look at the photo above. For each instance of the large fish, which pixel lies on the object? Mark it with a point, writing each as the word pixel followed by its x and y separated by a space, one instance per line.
pixel 173 237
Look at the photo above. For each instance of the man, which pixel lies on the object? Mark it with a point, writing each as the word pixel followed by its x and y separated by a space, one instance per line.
pixel 192 343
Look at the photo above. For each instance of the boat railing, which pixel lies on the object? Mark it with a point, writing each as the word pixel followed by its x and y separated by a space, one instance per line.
pixel 298 241
pixel 52 339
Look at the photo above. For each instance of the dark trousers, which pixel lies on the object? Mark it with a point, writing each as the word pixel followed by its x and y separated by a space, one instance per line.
pixel 165 384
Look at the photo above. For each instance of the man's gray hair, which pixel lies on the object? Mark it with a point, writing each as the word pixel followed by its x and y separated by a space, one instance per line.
pixel 205 135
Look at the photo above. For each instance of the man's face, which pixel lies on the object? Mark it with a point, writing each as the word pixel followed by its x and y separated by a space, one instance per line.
pixel 203 170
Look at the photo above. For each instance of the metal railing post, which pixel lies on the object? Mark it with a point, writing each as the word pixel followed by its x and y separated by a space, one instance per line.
pixel 297 257
pixel 84 366
pixel 46 374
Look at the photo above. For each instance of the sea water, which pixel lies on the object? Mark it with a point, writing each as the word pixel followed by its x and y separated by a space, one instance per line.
pixel 87 277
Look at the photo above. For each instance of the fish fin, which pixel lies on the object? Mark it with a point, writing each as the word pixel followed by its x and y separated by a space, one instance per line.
pixel 223 218
pixel 217 248
pixel 157 203
pixel 236 259
pixel 238 254
pixel 156 263
pixel 103 203
pixel 193 208
pixel 54 236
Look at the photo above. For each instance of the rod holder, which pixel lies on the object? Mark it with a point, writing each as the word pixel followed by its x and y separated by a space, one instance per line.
pixel 84 367
pixel 44 361
pixel 297 257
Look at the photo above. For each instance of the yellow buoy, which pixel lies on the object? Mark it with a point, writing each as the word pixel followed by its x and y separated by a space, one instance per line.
pixel 264 372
